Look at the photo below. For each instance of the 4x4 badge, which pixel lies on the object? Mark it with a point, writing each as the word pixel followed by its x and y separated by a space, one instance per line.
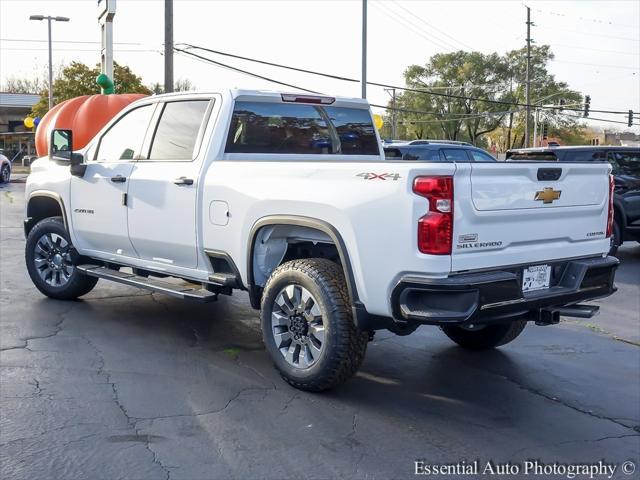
pixel 548 195
pixel 379 176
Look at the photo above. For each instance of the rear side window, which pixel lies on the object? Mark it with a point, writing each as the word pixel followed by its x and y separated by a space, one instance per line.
pixel 584 156
pixel 260 127
pixel 424 154
pixel 532 156
pixel 479 156
pixel 455 155
pixel 355 130
pixel 626 163
pixel 177 131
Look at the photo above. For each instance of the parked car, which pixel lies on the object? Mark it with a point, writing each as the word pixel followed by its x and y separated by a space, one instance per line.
pixel 236 191
pixel 436 151
pixel 5 169
pixel 625 162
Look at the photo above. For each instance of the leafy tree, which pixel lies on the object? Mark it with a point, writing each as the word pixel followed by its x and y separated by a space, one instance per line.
pixel 79 79
pixel 181 85
pixel 466 75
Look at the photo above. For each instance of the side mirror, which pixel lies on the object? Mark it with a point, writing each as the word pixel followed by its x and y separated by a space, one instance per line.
pixel 61 152
pixel 61 146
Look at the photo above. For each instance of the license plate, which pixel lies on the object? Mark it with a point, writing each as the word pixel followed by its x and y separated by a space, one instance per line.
pixel 536 278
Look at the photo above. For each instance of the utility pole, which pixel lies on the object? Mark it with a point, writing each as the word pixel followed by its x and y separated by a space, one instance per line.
pixel 106 12
pixel 168 46
pixel 528 79
pixel 364 48
pixel 394 114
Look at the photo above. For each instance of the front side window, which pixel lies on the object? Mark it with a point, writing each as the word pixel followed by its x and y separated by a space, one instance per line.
pixel 261 127
pixel 124 139
pixel 177 131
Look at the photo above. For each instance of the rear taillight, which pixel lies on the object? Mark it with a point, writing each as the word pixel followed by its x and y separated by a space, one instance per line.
pixel 610 216
pixel 435 229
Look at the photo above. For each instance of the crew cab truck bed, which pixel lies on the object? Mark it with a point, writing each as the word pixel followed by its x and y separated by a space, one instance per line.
pixel 290 198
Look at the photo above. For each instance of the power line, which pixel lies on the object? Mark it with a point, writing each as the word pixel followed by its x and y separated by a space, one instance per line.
pixel 417 30
pixel 432 26
pixel 594 64
pixel 385 85
pixel 591 34
pixel 585 19
pixel 466 117
pixel 34 49
pixel 62 41
pixel 244 71
pixel 595 49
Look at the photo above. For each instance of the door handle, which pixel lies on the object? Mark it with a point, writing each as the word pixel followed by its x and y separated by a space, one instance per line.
pixel 183 181
pixel 118 179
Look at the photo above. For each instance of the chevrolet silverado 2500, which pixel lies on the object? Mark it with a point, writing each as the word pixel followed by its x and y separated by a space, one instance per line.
pixel 290 198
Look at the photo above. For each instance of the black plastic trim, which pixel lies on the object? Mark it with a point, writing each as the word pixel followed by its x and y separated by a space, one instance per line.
pixel 255 291
pixel 498 294
pixel 224 279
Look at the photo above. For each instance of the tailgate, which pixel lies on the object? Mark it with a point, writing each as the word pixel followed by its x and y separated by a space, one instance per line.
pixel 522 213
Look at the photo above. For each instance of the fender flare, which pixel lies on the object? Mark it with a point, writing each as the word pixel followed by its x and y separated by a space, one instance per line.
pixel 48 194
pixel 301 221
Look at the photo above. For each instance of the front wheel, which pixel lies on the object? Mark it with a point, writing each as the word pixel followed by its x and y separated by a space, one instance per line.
pixel 308 327
pixel 484 337
pixel 5 174
pixel 51 263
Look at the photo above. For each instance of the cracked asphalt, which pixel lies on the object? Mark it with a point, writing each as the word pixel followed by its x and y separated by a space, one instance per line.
pixel 127 385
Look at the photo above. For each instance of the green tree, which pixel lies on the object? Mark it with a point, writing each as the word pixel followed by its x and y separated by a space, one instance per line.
pixel 465 76
pixel 79 79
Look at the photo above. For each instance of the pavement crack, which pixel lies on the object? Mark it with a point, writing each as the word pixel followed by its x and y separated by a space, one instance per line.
pixel 208 412
pixel 566 404
pixel 57 329
pixel 131 421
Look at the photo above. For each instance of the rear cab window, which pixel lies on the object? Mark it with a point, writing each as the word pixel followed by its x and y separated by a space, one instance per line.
pixel 295 128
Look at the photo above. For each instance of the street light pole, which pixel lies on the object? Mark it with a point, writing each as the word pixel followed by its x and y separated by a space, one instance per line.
pixel 48 18
pixel 364 48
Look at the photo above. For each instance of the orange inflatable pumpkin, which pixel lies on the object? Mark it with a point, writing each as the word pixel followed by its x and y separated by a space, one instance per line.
pixel 85 115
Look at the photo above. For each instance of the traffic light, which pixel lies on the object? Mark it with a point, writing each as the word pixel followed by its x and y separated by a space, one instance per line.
pixel 545 131
pixel 630 122
pixel 587 105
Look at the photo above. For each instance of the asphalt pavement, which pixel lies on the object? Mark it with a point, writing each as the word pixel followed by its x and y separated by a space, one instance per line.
pixel 132 385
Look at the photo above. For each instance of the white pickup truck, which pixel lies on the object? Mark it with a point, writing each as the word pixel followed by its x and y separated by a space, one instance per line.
pixel 290 197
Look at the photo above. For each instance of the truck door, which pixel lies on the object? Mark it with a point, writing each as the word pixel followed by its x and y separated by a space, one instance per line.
pixel 98 211
pixel 163 188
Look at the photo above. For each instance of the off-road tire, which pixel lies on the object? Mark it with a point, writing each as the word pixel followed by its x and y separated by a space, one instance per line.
pixel 616 238
pixel 344 344
pixel 5 174
pixel 78 283
pixel 487 337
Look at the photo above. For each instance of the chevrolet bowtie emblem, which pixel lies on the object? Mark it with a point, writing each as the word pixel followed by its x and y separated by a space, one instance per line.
pixel 548 195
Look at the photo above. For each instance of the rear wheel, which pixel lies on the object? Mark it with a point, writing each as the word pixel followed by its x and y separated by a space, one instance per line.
pixel 484 337
pixel 616 238
pixel 51 262
pixel 308 327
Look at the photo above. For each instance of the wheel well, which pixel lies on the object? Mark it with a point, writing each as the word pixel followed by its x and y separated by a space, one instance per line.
pixel 41 207
pixel 276 244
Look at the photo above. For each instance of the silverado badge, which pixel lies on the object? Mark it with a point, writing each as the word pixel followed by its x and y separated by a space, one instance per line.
pixel 548 195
